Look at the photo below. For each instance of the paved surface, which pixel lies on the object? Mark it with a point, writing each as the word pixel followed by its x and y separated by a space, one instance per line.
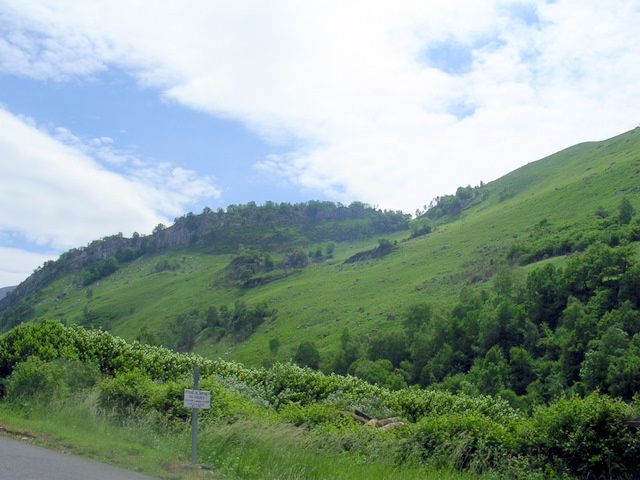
pixel 21 461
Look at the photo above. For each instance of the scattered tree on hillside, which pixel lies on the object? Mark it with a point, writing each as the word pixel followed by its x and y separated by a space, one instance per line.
pixel 625 211
pixel 307 355
pixel 274 345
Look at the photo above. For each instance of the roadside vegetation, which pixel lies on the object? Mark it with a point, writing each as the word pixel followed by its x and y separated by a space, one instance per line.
pixel 291 422
pixel 498 332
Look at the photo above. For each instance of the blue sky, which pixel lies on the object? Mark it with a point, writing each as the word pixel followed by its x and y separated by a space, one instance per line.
pixel 138 119
pixel 116 116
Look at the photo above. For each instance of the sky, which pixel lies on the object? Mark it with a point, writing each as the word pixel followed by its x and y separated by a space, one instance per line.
pixel 116 116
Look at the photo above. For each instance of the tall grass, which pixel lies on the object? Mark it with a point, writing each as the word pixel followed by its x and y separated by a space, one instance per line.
pixel 244 449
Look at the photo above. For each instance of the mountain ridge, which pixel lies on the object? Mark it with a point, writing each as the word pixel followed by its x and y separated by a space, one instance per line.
pixel 552 200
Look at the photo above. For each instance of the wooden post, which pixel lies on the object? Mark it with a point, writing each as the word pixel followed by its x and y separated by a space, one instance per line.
pixel 194 421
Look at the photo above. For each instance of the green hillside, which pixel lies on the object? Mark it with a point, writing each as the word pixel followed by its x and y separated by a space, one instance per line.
pixel 497 334
pixel 510 223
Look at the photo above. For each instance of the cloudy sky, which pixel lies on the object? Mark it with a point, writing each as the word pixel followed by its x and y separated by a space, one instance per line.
pixel 117 115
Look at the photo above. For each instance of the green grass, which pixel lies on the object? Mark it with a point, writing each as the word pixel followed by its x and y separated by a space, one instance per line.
pixel 319 302
pixel 244 449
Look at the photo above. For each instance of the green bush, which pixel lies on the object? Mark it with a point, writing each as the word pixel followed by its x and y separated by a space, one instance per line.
pixel 35 380
pixel 169 400
pixel 39 381
pixel 469 440
pixel 584 437
pixel 314 414
pixel 587 437
pixel 132 391
pixel 126 392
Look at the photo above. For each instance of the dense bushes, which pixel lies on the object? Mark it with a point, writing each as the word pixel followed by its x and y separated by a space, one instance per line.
pixel 452 205
pixel 99 270
pixel 40 381
pixel 585 437
pixel 135 391
pixel 545 241
pixel 238 323
pixel 574 329
pixel 467 440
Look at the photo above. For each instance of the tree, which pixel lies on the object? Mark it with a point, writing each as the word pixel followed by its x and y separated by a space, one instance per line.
pixel 545 296
pixel 417 316
pixel 348 353
pixel 274 345
pixel 489 373
pixel 307 355
pixel 183 330
pixel 146 336
pixel 330 248
pixel 212 319
pixel 158 228
pixel 380 372
pixel 521 370
pixel 392 346
pixel 625 211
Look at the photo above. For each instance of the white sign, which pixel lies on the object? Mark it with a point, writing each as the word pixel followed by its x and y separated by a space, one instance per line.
pixel 197 398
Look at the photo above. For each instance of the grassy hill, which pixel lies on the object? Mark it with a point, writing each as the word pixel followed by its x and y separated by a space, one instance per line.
pixel 562 196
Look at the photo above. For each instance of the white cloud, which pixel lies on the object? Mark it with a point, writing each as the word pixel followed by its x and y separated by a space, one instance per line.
pixel 16 264
pixel 55 191
pixel 349 84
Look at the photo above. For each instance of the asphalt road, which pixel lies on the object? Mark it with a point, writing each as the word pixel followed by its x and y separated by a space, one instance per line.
pixel 21 461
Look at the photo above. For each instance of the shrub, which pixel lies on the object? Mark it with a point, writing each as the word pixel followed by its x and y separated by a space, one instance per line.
pixel 36 380
pixel 468 440
pixel 307 355
pixel 169 400
pixel 126 392
pixel 586 435
pixel 314 414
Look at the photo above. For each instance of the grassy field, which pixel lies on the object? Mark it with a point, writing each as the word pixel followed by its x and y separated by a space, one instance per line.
pixel 317 303
pixel 245 449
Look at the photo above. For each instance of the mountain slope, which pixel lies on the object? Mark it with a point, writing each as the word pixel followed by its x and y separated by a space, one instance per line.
pixel 554 198
pixel 4 291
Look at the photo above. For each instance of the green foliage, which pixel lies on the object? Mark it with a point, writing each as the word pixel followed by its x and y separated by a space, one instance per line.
pixel 330 249
pixel 21 312
pixel 452 205
pixel 421 226
pixel 314 415
pixel 348 353
pixel 625 211
pixel 417 317
pixel 385 247
pixel 35 380
pixel 134 391
pixel 166 265
pixel 182 331
pixel 392 346
pixel 274 345
pixel 238 323
pixel 587 436
pixel 295 259
pixel 100 270
pixel 307 355
pixel 467 441
pixel 145 335
pixel 243 320
pixel 580 436
pixel 379 372
pixel 543 242
pixel 126 392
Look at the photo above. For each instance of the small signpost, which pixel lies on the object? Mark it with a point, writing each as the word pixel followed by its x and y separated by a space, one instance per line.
pixel 195 399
